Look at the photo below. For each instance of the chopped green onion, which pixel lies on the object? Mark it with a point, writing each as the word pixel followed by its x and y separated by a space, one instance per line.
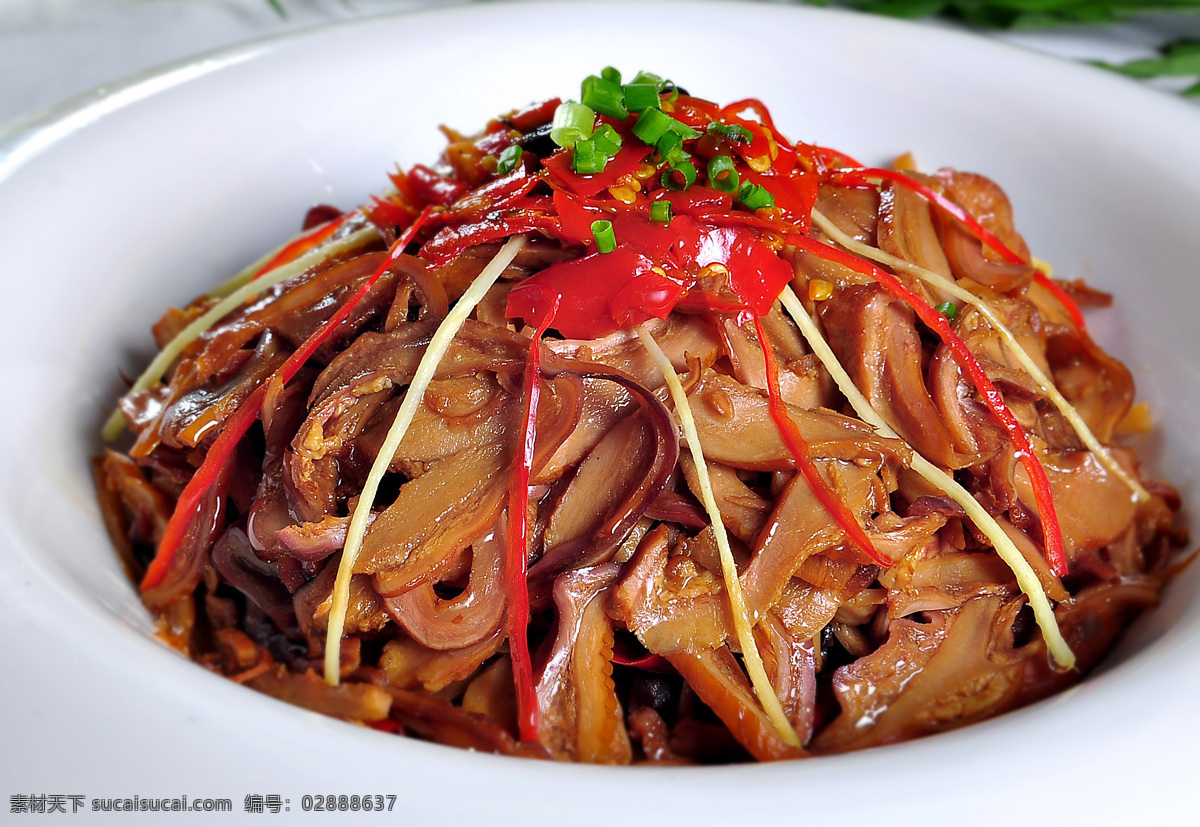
pixel 652 125
pixel 608 140
pixel 605 97
pixel 754 196
pixel 572 121
pixel 611 73
pixel 683 130
pixel 641 96
pixel 586 160
pixel 509 160
pixel 670 147
pixel 649 77
pixel 660 212
pixel 665 134
pixel 606 239
pixel 732 132
pixel 721 174
pixel 680 176
pixel 947 309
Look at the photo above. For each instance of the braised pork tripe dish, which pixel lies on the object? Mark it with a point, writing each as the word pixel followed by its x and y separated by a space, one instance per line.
pixel 632 431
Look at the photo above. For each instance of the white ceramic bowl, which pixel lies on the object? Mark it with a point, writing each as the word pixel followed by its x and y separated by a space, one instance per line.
pixel 140 196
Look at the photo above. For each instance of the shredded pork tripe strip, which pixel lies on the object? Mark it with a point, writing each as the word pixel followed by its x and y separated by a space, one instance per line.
pixel 1043 382
pixel 1027 579
pixel 155 370
pixel 414 396
pixel 733 586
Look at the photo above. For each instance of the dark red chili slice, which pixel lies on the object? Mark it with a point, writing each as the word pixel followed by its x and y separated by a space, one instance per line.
pixel 625 162
pixel 518 532
pixel 804 461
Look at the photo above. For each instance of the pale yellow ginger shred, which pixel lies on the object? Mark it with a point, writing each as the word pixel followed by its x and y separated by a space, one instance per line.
pixel 743 627
pixel 426 368
pixel 1044 382
pixel 1042 266
pixel 1027 579
pixel 324 250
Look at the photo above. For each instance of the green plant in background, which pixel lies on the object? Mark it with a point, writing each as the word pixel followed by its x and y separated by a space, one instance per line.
pixel 1179 58
pixel 1010 13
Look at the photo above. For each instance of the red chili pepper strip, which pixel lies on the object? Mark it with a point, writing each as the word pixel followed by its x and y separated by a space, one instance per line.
pixel 695 112
pixel 534 115
pixel 828 154
pixel 756 273
pixel 490 199
pixel 1064 298
pixel 1051 531
pixel 451 240
pixel 495 140
pixel 239 423
pixel 189 500
pixel 600 293
pixel 518 539
pixel 862 176
pixel 759 145
pixel 794 196
pixel 303 244
pixel 433 188
pixel 386 214
pixel 804 461
pixel 648 662
pixel 625 162
pixel 764 116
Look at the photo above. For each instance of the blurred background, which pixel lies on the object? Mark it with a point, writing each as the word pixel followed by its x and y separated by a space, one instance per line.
pixel 51 50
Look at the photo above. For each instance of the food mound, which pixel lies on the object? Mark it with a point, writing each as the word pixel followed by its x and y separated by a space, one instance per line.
pixel 633 432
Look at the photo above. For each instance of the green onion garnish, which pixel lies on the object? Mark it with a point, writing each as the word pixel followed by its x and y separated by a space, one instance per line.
pixel 732 132
pixel 680 176
pixel 572 121
pixel 586 160
pixel 649 77
pixel 754 196
pixel 606 239
pixel 660 212
pixel 611 73
pixel 608 140
pixel 721 174
pixel 641 96
pixel 947 309
pixel 670 147
pixel 509 159
pixel 604 96
pixel 593 154
pixel 683 130
pixel 652 125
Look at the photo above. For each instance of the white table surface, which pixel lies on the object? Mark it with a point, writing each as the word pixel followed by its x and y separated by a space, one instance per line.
pixel 51 50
